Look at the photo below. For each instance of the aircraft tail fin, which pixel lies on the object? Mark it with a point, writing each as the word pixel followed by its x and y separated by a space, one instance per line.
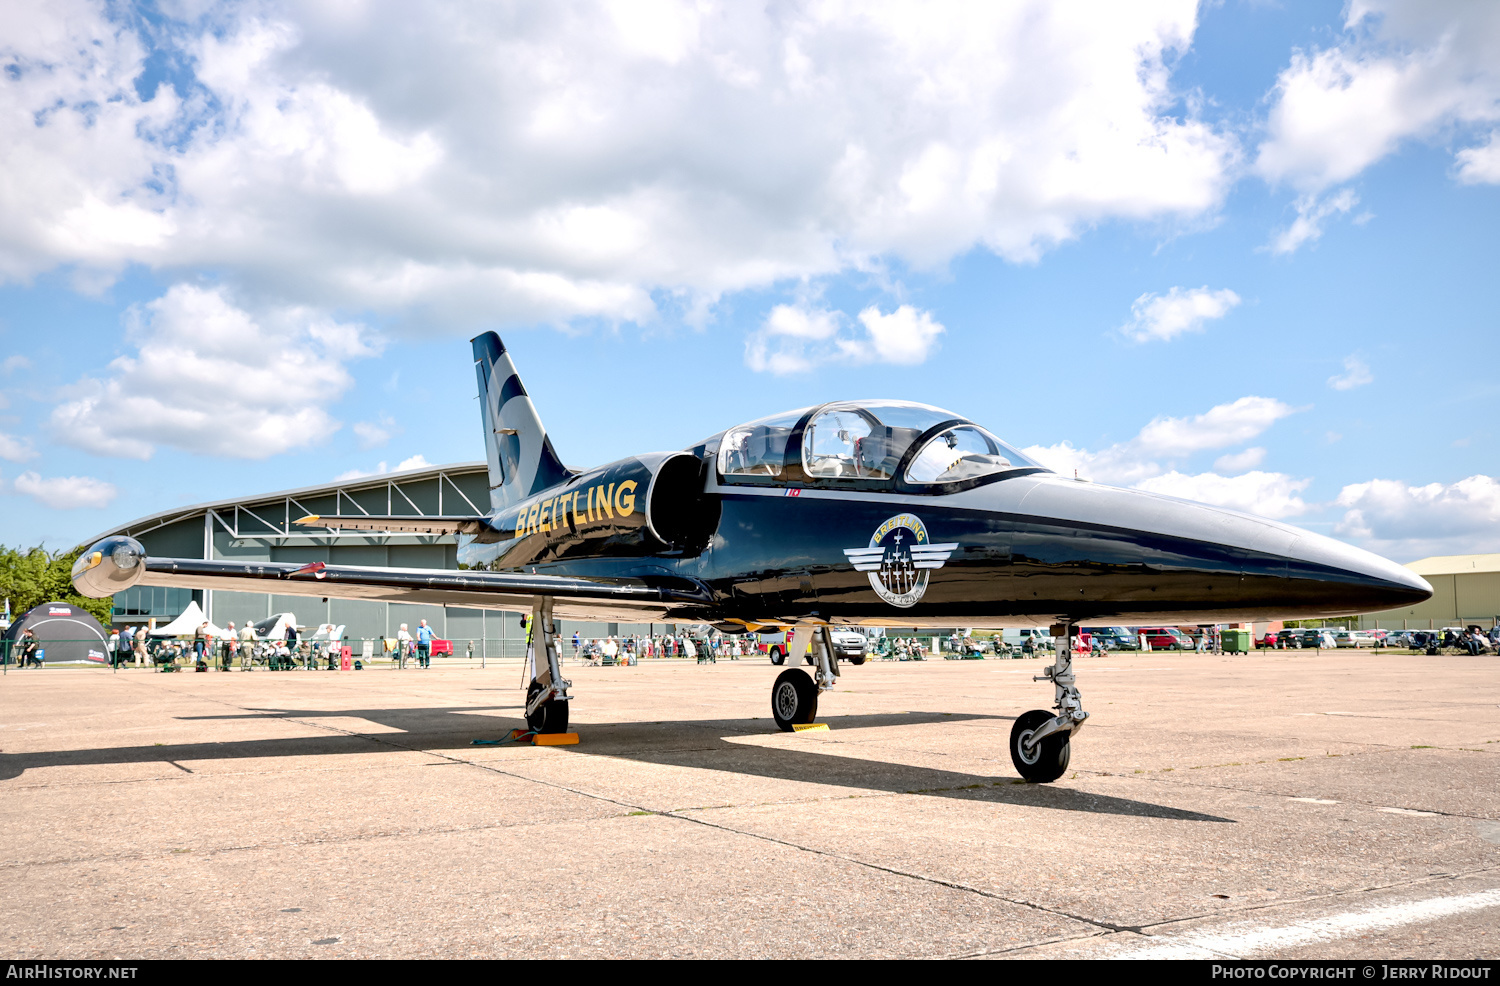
pixel 520 455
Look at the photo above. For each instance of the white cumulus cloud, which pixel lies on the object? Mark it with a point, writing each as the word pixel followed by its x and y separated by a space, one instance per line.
pixel 16 449
pixel 1411 521
pixel 1240 461
pixel 583 159
pixel 1138 462
pixel 65 492
pixel 1312 213
pixel 1166 316
pixel 1480 165
pixel 797 338
pixel 1219 427
pixel 1269 494
pixel 207 376
pixel 1356 374
pixel 1406 70
pixel 414 462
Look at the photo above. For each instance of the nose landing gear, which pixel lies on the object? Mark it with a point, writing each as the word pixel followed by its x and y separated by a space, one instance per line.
pixel 1040 741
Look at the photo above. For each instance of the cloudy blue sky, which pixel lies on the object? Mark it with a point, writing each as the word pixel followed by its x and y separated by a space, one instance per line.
pixel 1242 252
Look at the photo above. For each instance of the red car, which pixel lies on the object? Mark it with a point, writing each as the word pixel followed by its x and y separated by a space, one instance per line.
pixel 1167 638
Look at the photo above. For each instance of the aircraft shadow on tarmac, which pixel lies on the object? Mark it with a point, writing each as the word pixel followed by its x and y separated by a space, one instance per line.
pixel 697 744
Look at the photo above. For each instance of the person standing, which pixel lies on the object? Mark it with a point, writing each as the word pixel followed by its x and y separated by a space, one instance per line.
pixel 227 647
pixel 291 643
pixel 200 641
pixel 28 649
pixel 247 647
pixel 403 646
pixel 424 644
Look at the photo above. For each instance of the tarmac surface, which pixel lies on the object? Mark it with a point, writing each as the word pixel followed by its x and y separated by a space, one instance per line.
pixel 1280 805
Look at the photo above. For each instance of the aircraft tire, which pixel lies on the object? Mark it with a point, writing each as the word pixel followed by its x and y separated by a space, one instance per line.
pixel 1050 758
pixel 550 717
pixel 794 699
pixel 778 656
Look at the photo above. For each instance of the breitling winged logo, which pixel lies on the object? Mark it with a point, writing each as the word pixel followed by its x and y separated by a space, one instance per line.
pixel 899 558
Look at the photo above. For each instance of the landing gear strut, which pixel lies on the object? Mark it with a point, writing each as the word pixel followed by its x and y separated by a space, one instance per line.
pixel 794 697
pixel 1040 741
pixel 547 694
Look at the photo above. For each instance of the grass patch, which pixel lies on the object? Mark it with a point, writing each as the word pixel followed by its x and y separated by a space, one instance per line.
pixel 1290 759
pixel 635 813
pixel 1424 748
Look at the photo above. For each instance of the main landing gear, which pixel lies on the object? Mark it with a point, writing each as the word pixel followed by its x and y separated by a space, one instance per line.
pixel 547 694
pixel 794 697
pixel 1040 741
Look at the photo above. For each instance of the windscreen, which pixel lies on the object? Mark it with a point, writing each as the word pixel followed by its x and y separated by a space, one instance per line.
pixel 963 452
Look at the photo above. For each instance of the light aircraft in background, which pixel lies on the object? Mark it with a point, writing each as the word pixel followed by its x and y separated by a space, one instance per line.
pixel 850 513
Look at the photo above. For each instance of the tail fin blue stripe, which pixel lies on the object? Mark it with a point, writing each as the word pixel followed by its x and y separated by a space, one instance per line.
pixel 520 456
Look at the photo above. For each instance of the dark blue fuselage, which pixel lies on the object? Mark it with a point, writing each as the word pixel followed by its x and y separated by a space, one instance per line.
pixel 1027 548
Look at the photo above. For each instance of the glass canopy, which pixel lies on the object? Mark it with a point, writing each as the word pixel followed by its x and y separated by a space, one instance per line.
pixel 868 440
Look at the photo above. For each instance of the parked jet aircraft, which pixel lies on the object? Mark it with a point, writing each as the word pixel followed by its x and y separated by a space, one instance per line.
pixel 867 512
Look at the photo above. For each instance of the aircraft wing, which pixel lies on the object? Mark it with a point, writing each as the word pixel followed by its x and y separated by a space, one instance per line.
pixel 663 598
pixel 407 524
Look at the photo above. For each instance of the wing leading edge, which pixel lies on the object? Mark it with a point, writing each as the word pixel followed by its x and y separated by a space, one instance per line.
pixel 118 562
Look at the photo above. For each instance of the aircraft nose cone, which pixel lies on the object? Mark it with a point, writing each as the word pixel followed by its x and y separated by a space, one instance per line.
pixel 1371 582
pixel 1283 571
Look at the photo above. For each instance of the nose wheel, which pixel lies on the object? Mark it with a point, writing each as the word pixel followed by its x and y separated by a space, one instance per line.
pixel 1041 741
pixel 1038 760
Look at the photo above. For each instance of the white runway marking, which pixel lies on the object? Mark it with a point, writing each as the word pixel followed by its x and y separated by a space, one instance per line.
pixel 1247 944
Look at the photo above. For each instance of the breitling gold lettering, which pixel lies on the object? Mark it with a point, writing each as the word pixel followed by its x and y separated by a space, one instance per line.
pixel 571 512
pixel 625 498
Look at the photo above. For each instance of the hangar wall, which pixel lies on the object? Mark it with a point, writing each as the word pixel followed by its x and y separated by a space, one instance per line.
pixel 1466 589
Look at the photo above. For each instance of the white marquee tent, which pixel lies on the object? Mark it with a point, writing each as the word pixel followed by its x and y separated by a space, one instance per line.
pixel 187 624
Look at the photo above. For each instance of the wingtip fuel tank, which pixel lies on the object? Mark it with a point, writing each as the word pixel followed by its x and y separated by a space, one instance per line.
pixel 112 565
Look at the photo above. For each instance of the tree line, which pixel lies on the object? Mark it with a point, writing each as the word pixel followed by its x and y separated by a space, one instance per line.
pixel 30 577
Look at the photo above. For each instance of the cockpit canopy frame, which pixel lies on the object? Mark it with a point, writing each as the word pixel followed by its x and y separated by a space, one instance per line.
pixel 873 445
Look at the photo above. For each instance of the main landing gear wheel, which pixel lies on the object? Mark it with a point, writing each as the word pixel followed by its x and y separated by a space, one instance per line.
pixel 794 699
pixel 550 716
pixel 1048 759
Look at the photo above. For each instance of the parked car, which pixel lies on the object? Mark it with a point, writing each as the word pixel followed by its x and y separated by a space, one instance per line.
pixel 1353 638
pixel 1319 638
pixel 1167 638
pixel 848 645
pixel 1115 638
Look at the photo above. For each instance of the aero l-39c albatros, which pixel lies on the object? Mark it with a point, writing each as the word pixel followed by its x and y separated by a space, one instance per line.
pixel 853 513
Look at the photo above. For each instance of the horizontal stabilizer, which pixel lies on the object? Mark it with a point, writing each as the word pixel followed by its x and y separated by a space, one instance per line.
pixel 406 525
